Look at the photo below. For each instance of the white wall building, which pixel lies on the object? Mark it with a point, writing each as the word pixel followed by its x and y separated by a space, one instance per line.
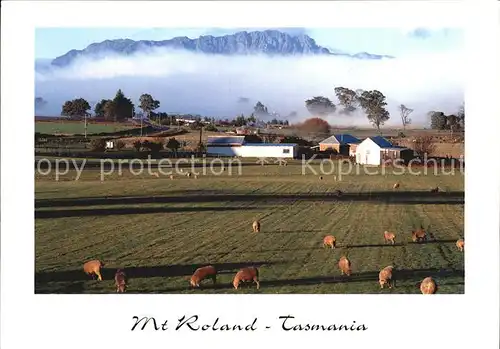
pixel 375 150
pixel 236 146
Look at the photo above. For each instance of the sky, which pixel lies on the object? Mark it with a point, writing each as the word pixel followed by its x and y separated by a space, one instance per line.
pixel 425 74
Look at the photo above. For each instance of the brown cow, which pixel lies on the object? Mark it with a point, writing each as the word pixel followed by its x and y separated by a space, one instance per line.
pixel 202 273
pixel 385 277
pixel 435 190
pixel 93 268
pixel 428 286
pixel 256 226
pixel 345 266
pixel 329 240
pixel 245 275
pixel 388 236
pixel 460 244
pixel 120 281
pixel 418 235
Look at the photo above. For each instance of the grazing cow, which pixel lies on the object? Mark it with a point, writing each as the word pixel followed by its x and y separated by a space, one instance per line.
pixel 435 190
pixel 345 266
pixel 396 185
pixel 93 268
pixel 385 277
pixel 428 286
pixel 329 240
pixel 419 235
pixel 256 226
pixel 188 174
pixel 389 237
pixel 245 275
pixel 120 281
pixel 460 244
pixel 202 273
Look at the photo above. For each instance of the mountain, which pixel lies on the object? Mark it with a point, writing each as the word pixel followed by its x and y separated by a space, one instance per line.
pixel 269 42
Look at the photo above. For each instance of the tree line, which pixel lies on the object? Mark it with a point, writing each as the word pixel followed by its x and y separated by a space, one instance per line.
pixel 119 108
pixel 372 103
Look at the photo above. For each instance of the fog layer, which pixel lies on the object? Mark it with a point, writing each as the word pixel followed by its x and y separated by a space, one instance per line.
pixel 225 86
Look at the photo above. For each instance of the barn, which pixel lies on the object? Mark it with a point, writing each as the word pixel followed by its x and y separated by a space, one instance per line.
pixel 344 144
pixel 236 146
pixel 378 150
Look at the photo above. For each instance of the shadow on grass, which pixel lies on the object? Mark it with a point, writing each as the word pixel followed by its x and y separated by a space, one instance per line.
pixel 130 211
pixel 402 197
pixel 416 275
pixel 145 272
pixel 292 231
pixel 445 241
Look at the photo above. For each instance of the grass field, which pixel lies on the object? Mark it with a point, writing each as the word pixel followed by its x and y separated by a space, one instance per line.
pixel 61 127
pixel 161 230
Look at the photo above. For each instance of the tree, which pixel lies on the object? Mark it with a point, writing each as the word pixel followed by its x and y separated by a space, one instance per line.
pixel 251 119
pixel 320 105
pixel 75 108
pixel 173 144
pixel 348 98
pixel 405 115
pixel 99 108
pixel 124 108
pixel 147 103
pixel 461 115
pixel 424 145
pixel 260 110
pixel 438 120
pixel 315 126
pixel 40 103
pixel 373 103
pixel 240 121
pixel 197 125
pixel 253 138
pixel 109 111
pixel 452 123
pixel 296 140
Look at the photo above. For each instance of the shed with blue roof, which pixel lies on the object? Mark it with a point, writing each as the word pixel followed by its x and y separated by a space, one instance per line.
pixel 236 146
pixel 378 150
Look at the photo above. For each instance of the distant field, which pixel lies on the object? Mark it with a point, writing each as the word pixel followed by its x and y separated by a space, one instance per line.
pixel 160 230
pixel 64 127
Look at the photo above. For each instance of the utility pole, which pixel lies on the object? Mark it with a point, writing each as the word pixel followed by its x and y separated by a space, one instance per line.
pixel 142 116
pixel 199 144
pixel 85 118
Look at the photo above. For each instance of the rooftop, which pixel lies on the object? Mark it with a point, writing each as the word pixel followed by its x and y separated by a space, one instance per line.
pixel 341 138
pixel 382 142
pixel 225 139
pixel 271 144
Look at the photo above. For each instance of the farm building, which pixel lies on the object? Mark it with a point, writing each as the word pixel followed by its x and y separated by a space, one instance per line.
pixel 236 146
pixel 376 150
pixel 344 144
